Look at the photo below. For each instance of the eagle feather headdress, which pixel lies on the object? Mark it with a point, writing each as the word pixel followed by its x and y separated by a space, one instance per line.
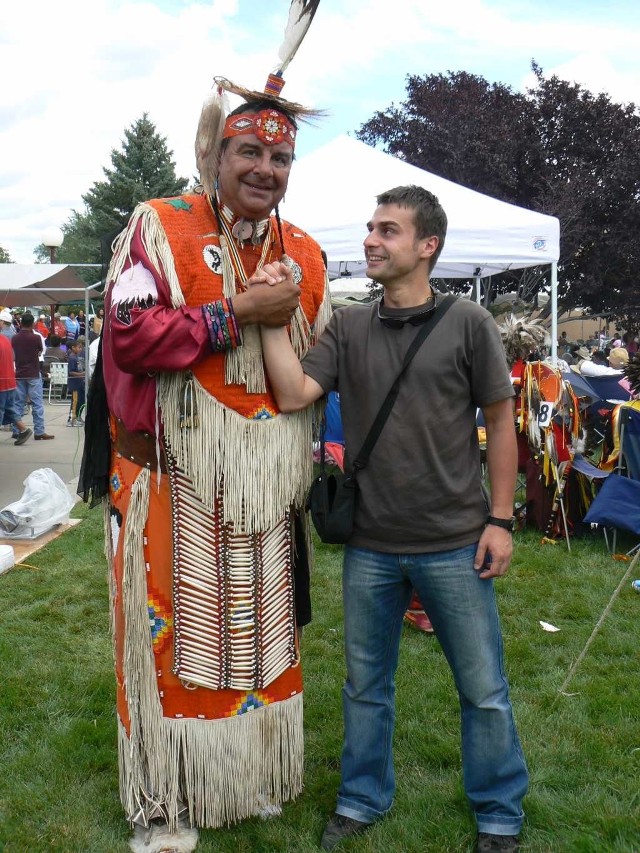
pixel 215 108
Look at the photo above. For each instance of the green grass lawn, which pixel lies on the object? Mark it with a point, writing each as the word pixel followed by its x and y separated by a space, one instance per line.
pixel 58 772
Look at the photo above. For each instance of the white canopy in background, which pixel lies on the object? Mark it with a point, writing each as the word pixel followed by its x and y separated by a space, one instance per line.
pixel 332 195
pixel 350 287
pixel 41 284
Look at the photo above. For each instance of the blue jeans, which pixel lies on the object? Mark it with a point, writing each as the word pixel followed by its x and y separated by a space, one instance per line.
pixel 376 589
pixel 31 388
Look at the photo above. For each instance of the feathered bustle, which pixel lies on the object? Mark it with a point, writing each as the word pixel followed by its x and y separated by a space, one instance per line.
pixel 520 337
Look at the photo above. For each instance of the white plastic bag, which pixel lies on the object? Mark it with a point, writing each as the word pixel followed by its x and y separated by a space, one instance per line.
pixel 45 502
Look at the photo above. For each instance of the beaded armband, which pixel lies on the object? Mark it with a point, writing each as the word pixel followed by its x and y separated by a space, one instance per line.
pixel 224 332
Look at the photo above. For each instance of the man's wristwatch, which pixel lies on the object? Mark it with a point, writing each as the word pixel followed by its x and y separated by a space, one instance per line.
pixel 506 523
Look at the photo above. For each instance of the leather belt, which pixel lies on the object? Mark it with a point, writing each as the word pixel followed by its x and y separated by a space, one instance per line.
pixel 139 448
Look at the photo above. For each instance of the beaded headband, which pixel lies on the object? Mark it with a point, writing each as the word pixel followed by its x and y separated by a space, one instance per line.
pixel 270 126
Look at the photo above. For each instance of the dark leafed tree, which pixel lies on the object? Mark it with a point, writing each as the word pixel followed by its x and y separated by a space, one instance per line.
pixel 558 149
pixel 141 170
pixel 463 128
pixel 5 257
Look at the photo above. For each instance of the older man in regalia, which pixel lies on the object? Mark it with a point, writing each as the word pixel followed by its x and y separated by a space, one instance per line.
pixel 206 479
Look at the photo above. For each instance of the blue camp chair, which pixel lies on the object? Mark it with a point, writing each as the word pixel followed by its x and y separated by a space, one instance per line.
pixel 630 439
pixel 617 504
pixel 608 388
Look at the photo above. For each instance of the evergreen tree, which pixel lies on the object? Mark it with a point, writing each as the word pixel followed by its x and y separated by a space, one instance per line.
pixel 142 169
pixel 5 258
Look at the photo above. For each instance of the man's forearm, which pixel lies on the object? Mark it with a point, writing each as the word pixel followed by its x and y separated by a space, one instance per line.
pixel 292 388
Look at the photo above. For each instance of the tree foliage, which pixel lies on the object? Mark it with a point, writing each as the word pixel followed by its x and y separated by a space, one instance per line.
pixel 5 258
pixel 557 149
pixel 142 169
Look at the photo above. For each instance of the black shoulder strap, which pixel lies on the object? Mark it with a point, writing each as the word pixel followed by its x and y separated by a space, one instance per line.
pixel 376 428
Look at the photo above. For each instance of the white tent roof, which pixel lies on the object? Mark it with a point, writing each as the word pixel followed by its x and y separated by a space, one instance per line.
pixel 41 284
pixel 332 195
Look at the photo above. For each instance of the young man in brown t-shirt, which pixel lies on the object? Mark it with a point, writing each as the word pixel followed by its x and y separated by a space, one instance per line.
pixel 423 519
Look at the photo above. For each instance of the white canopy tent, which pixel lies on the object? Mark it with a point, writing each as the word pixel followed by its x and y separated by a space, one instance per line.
pixel 332 195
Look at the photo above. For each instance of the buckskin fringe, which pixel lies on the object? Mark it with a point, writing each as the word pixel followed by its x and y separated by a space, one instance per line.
pixel 324 311
pixel 263 466
pixel 156 246
pixel 143 789
pixel 111 581
pixel 244 365
pixel 267 767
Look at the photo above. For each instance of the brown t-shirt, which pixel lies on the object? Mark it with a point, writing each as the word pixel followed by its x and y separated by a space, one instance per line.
pixel 421 490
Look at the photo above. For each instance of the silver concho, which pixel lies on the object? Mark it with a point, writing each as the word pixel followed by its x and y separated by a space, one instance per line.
pixel 213 258
pixel 296 269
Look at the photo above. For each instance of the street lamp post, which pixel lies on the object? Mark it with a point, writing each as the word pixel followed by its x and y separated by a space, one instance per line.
pixel 52 238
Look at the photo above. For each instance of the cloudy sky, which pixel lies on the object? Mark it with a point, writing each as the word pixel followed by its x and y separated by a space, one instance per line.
pixel 76 73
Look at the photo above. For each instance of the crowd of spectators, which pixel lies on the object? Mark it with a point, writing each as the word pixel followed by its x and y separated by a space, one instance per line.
pixel 599 356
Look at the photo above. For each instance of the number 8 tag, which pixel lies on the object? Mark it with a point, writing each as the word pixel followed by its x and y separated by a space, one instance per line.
pixel 545 414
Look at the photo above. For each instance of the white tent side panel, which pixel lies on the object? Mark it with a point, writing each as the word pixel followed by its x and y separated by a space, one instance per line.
pixel 332 195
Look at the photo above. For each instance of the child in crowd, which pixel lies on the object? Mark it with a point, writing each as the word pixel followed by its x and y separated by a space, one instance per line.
pixel 76 382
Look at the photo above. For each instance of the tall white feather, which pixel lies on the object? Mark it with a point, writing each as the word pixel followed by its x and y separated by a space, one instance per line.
pixel 301 14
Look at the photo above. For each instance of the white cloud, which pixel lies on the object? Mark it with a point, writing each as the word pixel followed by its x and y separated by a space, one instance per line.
pixel 76 74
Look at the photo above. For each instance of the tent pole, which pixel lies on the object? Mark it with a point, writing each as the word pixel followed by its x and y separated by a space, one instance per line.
pixel 554 313
pixel 478 289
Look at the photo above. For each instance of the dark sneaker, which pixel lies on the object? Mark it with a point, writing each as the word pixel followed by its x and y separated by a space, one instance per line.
pixel 22 437
pixel 340 827
pixel 43 437
pixel 489 843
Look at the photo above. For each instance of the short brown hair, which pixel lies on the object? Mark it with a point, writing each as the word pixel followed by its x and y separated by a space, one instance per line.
pixel 429 217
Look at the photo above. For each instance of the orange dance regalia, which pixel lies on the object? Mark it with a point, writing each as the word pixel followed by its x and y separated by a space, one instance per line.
pixel 206 474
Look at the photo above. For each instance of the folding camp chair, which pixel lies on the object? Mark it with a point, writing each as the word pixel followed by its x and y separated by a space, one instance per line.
pixel 58 378
pixel 617 504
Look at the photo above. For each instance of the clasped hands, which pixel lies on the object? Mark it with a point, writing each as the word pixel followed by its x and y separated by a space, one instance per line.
pixel 271 296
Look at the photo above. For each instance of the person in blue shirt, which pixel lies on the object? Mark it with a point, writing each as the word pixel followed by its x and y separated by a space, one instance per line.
pixel 75 383
pixel 72 327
